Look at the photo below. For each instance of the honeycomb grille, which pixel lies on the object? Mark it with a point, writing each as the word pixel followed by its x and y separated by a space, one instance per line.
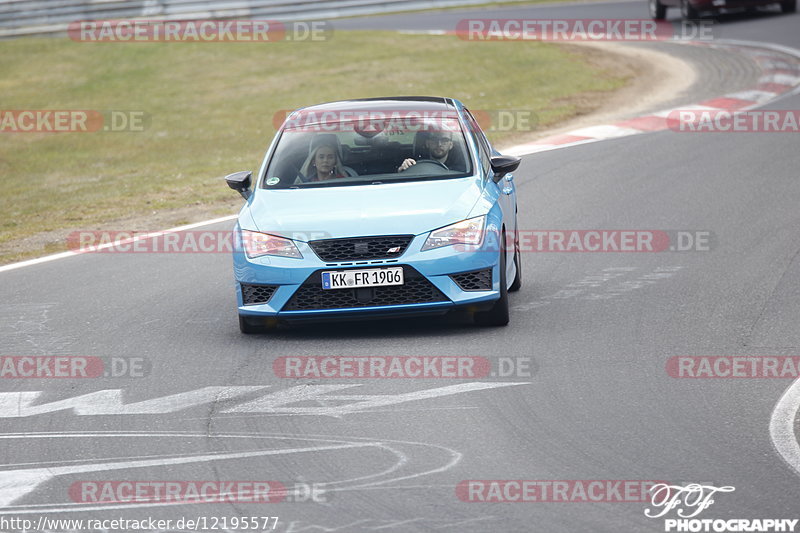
pixel 257 294
pixel 416 290
pixel 361 248
pixel 478 280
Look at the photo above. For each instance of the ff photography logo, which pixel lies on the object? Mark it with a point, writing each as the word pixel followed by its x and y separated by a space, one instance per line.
pixel 692 499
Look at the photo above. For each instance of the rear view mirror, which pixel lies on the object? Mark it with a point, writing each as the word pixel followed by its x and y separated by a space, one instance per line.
pixel 240 182
pixel 503 164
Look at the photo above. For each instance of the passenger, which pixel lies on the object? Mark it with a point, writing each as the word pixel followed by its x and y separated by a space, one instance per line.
pixel 324 161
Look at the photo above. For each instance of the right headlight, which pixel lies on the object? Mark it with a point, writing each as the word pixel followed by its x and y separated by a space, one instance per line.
pixel 257 244
pixel 469 231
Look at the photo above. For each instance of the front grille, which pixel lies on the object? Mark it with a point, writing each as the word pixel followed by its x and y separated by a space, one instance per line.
pixel 416 290
pixel 478 280
pixel 361 248
pixel 257 294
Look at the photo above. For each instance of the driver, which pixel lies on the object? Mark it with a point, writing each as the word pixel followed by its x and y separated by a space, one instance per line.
pixel 438 145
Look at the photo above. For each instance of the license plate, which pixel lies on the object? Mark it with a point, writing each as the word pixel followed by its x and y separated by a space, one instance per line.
pixel 353 279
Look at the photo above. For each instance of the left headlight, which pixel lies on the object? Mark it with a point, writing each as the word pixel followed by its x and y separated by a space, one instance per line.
pixel 257 244
pixel 469 231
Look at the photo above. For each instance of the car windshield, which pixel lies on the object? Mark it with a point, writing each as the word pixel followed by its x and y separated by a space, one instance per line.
pixel 313 152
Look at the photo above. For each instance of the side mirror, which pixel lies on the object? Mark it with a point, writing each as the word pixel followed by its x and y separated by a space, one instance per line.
pixel 240 182
pixel 503 164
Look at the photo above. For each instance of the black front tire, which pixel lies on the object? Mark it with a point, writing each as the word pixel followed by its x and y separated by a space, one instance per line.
pixel 658 11
pixel 789 6
pixel 517 283
pixel 498 315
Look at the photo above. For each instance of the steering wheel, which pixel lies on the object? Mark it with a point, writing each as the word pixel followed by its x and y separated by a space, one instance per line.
pixel 423 166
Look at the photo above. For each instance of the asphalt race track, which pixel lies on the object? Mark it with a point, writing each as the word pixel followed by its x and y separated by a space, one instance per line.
pixel 595 329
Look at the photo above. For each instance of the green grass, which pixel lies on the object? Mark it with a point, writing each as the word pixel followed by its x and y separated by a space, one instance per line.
pixel 210 112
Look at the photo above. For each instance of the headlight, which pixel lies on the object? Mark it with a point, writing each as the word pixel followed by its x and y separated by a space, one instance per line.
pixel 468 231
pixel 258 244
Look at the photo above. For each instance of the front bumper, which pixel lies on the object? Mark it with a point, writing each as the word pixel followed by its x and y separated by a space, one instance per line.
pixel 291 281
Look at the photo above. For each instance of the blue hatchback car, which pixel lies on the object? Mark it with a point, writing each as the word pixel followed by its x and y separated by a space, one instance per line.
pixel 378 207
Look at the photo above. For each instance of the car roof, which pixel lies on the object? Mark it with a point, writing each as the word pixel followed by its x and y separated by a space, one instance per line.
pixel 387 103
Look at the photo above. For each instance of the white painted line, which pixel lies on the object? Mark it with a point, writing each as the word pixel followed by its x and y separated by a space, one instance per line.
pixel 111 402
pixel 753 96
pixel 62 255
pixel 608 131
pixel 18 483
pixel 423 32
pixel 781 79
pixel 403 461
pixel 781 426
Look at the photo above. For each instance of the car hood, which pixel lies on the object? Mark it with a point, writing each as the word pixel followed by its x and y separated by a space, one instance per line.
pixel 385 209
